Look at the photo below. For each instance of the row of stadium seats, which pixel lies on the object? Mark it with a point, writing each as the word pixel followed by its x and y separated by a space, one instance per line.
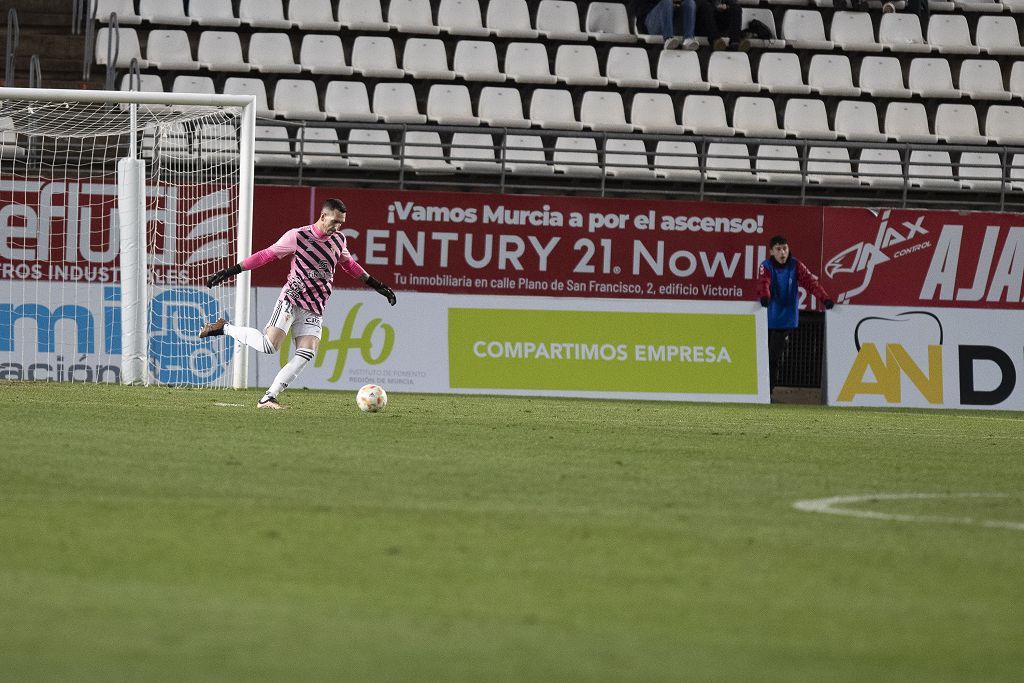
pixel 625 67
pixel 652 113
pixel 525 154
pixel 802 30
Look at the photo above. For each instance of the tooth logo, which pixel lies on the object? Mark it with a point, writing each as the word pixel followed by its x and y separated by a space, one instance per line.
pixel 920 361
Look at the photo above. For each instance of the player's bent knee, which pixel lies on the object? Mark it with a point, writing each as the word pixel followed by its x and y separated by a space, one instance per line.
pixel 268 345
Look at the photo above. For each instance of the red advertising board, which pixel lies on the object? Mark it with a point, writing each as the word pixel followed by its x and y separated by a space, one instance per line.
pixel 923 258
pixel 531 245
pixel 548 246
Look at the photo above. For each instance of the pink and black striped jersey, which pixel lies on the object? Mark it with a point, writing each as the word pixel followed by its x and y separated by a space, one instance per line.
pixel 315 256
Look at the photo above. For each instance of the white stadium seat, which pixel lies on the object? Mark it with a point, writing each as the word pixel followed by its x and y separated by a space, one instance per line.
pixel 957 124
pixel 981 172
pixel 779 73
pixel 396 103
pixel 705 115
pixel 730 71
pixel 371 149
pixel 949 34
pixel 609 21
pixel 675 160
pixel 412 16
pixel 901 32
pixel 125 47
pixel 426 59
pixel 374 57
pixel 858 121
pixel 882 77
pixel 348 101
pixel 272 147
pixel 931 77
pixel 477 60
pixel 166 12
pixel 263 14
pixel 461 17
pixel 804 30
pixel 473 153
pixel 313 15
pixel 880 168
pixel 982 79
pixel 998 36
pixel 221 51
pixel 908 122
pixel 559 20
pixel 449 104
pixel 320 147
pixel 1004 124
pixel 501 108
pixel 240 85
pixel 424 153
pixel 297 99
pixel 680 70
pixel 756 117
pixel 654 113
pixel 603 111
pixel 216 13
pixel 553 109
pixel 576 156
pixel 728 163
pixel 323 54
pixel 806 118
pixel 169 50
pixel 577 65
pixel 528 63
pixel 362 15
pixel 509 19
pixel 829 166
pixel 627 159
pixel 853 32
pixel 200 85
pixel 932 170
pixel 778 164
pixel 124 9
pixel 272 53
pixel 524 155
pixel 629 67
pixel 831 74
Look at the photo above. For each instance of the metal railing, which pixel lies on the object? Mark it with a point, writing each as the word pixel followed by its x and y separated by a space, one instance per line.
pixel 13 37
pixel 35 72
pixel 803 175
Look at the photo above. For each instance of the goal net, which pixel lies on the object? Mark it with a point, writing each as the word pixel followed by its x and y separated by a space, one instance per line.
pixel 115 208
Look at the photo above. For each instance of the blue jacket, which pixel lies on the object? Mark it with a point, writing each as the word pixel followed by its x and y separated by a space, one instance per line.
pixel 782 285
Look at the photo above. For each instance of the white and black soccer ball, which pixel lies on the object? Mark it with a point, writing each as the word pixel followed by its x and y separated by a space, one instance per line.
pixel 371 398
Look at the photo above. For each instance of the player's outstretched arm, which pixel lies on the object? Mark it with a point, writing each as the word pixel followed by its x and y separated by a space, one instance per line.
pixel 381 288
pixel 222 275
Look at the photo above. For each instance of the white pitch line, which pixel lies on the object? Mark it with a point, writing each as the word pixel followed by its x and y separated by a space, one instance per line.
pixel 829 506
pixel 229 405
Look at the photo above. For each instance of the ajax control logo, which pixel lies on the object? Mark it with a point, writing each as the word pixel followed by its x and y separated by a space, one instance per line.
pixel 176 354
pixel 374 343
pixel 891 242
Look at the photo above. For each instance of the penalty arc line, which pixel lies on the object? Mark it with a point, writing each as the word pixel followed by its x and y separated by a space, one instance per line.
pixel 830 506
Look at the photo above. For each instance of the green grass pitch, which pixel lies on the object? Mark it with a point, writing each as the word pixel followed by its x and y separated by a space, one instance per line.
pixel 159 534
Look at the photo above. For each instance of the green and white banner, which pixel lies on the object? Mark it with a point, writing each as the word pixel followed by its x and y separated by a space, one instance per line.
pixel 600 348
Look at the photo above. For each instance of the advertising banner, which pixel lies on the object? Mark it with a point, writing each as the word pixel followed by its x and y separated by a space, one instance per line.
pixel 925 358
pixel 923 258
pixel 580 247
pixel 72 332
pixel 529 346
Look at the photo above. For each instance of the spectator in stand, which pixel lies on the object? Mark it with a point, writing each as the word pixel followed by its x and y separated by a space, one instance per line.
pixel 721 22
pixel 778 285
pixel 669 19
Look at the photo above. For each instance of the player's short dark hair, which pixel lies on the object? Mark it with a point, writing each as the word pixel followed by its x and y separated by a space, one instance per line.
pixel 334 205
pixel 778 239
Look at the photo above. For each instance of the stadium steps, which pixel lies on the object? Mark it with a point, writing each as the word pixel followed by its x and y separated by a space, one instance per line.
pixel 45 28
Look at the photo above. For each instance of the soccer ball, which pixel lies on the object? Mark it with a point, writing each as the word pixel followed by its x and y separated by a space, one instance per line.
pixel 371 398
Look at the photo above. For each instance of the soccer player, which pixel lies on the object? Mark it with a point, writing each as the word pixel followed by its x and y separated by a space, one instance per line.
pixel 778 281
pixel 317 250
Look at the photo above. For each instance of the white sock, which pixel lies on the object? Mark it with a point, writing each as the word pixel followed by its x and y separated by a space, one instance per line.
pixel 250 337
pixel 290 371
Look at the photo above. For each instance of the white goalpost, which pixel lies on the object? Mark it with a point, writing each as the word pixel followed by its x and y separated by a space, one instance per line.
pixel 115 208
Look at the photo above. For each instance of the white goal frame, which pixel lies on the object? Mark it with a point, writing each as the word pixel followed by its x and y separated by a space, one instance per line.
pixel 133 250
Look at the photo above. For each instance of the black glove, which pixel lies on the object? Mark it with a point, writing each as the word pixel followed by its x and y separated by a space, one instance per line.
pixel 829 304
pixel 382 289
pixel 222 275
pixel 764 301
